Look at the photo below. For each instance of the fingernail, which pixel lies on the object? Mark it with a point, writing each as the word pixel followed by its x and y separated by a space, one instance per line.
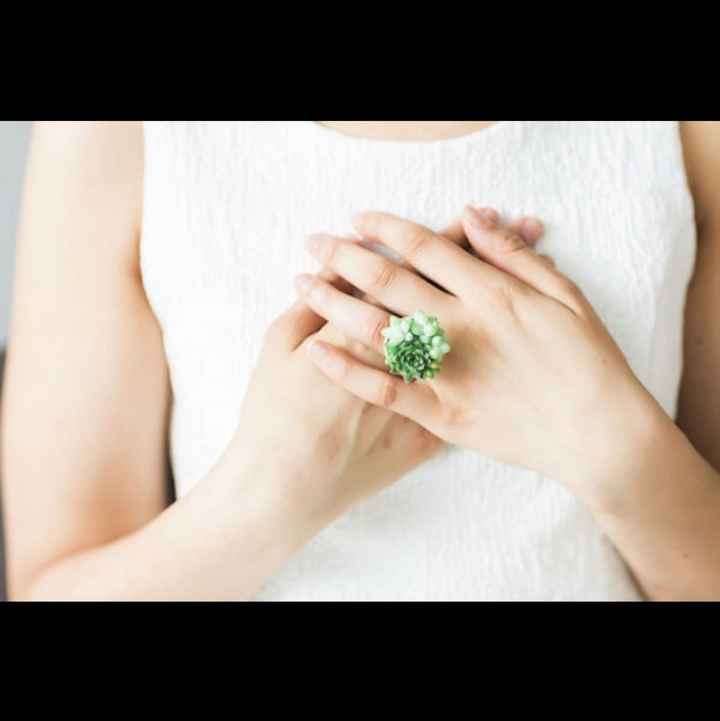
pixel 533 227
pixel 304 283
pixel 322 355
pixel 491 216
pixel 482 217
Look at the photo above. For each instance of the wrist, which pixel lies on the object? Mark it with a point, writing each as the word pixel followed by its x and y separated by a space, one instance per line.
pixel 620 473
pixel 275 493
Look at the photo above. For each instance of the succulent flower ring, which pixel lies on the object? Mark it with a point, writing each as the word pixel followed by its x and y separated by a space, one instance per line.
pixel 415 346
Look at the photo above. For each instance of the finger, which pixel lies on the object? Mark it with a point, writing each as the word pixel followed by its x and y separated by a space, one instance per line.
pixel 293 326
pixel 413 400
pixel 396 288
pixel 351 316
pixel 434 256
pixel 509 252
pixel 547 259
pixel 529 229
pixel 336 280
pixel 300 321
pixel 455 233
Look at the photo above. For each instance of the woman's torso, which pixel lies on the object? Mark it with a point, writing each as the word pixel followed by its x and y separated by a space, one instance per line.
pixel 226 207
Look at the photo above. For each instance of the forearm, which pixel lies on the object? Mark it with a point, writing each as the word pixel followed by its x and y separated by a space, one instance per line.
pixel 221 541
pixel 663 515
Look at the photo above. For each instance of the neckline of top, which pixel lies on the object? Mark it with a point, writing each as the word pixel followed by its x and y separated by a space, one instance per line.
pixel 458 140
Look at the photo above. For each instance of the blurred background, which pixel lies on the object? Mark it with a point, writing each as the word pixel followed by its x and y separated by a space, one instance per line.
pixel 14 137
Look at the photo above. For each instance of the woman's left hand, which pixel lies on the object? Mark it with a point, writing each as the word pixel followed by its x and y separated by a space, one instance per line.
pixel 532 379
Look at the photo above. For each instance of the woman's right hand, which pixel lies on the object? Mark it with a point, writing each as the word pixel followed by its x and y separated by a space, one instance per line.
pixel 325 448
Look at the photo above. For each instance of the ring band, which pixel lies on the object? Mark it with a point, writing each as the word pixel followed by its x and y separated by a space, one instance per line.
pixel 415 346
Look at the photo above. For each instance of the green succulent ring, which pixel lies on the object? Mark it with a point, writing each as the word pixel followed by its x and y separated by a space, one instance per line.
pixel 415 346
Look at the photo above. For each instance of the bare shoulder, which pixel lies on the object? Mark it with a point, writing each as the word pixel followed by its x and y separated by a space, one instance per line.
pixel 701 150
pixel 96 166
pixel 111 151
pixel 96 140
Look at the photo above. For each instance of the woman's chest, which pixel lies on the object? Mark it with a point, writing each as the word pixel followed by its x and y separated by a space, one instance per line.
pixel 228 205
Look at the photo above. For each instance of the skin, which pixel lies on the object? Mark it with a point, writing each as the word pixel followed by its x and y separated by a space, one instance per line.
pixel 97 526
pixel 521 359
pixel 87 396
pixel 408 132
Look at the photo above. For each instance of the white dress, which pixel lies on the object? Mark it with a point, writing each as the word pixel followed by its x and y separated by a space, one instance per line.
pixel 226 207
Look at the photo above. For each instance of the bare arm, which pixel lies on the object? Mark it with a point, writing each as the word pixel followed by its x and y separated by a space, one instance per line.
pixel 668 522
pixel 699 402
pixel 86 406
pixel 86 400
pixel 664 515
pixel 651 487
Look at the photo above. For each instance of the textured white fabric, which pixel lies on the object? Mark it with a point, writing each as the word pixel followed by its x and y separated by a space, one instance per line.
pixel 226 207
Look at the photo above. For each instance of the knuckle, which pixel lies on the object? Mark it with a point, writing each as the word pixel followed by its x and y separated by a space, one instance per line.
pixel 387 392
pixel 383 275
pixel 570 293
pixel 509 242
pixel 569 288
pixel 508 298
pixel 452 416
pixel 375 328
pixel 427 443
pixel 503 296
pixel 415 242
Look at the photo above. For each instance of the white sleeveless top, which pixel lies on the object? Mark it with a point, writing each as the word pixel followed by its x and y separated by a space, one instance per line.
pixel 226 207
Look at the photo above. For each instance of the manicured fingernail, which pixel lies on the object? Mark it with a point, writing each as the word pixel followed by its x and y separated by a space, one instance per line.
pixel 304 283
pixel 482 217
